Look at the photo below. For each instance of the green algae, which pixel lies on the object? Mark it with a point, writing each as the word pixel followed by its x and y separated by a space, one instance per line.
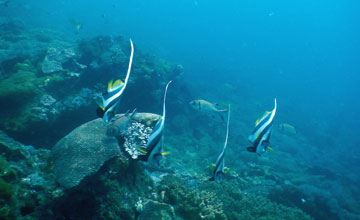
pixel 6 190
pixel 18 91
pixel 6 212
pixel 20 86
pixel 6 172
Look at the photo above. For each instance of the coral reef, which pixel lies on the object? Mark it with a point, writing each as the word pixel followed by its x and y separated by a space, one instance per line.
pixel 222 201
pixel 26 182
pixel 38 64
pixel 48 86
pixel 154 210
pixel 138 135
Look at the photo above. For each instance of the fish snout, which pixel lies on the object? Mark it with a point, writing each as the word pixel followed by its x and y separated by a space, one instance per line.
pixel 192 102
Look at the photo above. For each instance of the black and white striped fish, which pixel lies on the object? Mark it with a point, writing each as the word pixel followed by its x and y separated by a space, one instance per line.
pixel 111 98
pixel 219 169
pixel 153 149
pixel 260 137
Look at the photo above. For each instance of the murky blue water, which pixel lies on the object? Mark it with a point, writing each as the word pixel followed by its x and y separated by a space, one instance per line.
pixel 304 53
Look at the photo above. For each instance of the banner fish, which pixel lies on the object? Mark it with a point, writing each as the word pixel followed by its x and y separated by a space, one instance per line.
pixel 153 148
pixel 111 98
pixel 219 169
pixel 207 107
pixel 260 137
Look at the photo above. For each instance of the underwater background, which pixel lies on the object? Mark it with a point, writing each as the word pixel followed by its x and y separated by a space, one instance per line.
pixel 56 58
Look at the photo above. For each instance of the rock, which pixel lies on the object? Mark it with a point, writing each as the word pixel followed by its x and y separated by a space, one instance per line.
pixel 153 210
pixel 82 152
pixel 39 114
pixel 47 100
pixel 11 148
pixel 50 66
pixel 56 56
pixel 84 98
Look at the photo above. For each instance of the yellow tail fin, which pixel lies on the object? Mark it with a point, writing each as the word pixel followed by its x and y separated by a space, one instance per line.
pixel 270 149
pixel 165 153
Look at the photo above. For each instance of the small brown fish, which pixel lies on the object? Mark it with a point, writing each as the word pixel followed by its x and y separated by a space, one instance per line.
pixel 207 107
pixel 287 128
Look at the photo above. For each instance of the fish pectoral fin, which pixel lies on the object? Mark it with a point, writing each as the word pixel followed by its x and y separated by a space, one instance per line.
pixel 226 170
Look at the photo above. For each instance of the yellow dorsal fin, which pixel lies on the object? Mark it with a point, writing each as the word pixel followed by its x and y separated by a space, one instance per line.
pixel 110 84
pixel 267 112
pixel 117 83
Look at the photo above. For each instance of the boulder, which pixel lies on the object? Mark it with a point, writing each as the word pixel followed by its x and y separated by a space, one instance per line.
pixel 83 151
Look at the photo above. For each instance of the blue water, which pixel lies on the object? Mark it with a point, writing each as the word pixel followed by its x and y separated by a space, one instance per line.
pixel 304 53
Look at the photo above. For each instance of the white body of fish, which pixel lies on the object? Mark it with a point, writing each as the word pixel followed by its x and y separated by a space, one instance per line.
pixel 205 106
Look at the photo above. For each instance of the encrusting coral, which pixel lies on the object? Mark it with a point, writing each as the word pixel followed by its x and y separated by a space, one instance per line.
pixel 222 201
